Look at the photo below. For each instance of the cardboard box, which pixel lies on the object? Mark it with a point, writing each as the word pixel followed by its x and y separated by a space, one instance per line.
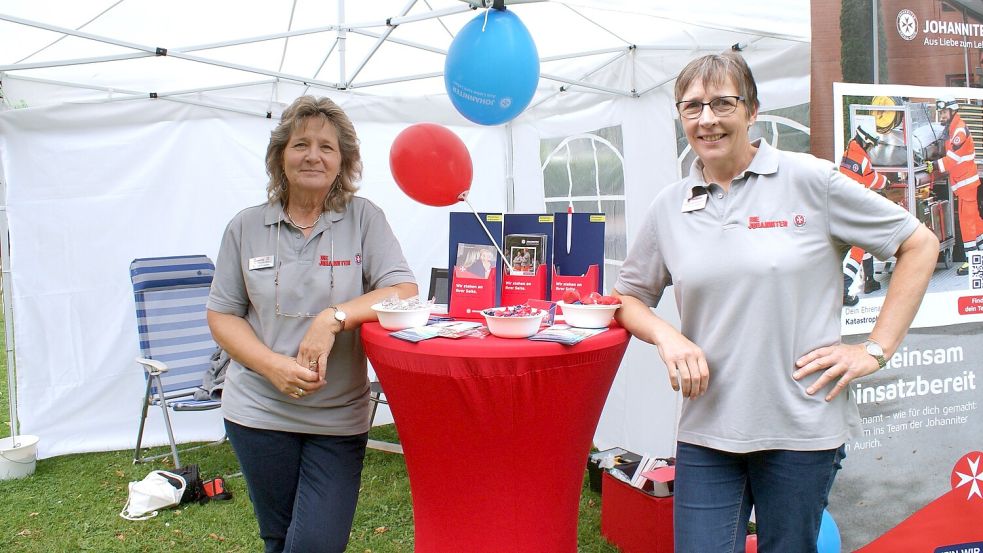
pixel 624 461
pixel 633 520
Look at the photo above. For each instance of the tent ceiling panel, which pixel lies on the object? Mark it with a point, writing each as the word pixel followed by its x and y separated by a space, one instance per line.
pixel 606 48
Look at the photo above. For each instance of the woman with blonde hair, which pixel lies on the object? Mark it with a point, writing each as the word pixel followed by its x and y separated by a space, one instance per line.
pixel 295 279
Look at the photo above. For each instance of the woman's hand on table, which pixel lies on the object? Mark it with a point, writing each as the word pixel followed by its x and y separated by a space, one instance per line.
pixel 687 366
pixel 317 343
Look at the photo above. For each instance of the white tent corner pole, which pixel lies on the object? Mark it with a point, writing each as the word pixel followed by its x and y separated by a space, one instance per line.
pixel 342 36
pixel 8 312
pixel 509 169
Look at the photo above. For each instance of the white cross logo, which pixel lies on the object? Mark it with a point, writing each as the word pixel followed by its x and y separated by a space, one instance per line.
pixel 973 479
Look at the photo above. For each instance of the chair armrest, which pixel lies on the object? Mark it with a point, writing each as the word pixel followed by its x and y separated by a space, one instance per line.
pixel 152 366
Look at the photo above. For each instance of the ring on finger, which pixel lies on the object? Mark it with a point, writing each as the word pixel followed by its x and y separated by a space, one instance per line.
pixel 300 392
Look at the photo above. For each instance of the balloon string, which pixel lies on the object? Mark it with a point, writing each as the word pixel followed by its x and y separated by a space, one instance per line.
pixel 493 241
pixel 485 24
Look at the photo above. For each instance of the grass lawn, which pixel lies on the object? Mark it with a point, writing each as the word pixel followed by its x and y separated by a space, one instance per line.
pixel 71 503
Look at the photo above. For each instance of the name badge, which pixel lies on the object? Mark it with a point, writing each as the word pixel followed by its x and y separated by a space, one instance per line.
pixel 261 262
pixel 695 203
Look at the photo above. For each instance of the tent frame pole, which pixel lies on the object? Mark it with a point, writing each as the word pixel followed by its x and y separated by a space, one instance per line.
pixel 509 169
pixel 342 52
pixel 620 54
pixel 380 41
pixel 76 61
pixel 8 315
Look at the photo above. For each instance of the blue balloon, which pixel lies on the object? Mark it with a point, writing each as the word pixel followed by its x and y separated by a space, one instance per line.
pixel 491 74
pixel 829 535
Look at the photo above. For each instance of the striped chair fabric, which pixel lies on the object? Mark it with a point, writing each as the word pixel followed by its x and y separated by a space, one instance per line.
pixel 170 295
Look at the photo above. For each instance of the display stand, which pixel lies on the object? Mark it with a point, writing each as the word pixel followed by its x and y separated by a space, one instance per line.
pixel 518 289
pixel 470 294
pixel 578 253
pixel 521 230
pixel 469 291
pixel 567 252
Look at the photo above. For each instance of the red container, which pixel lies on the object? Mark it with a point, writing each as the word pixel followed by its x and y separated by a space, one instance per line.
pixel 633 520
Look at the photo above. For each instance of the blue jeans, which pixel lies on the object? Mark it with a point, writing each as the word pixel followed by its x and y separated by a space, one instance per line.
pixel 303 486
pixel 714 491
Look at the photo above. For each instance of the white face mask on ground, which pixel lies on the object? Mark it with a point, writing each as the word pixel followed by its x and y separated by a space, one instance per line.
pixel 158 490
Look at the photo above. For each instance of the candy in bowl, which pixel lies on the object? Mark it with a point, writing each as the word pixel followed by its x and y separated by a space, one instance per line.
pixel 517 321
pixel 593 311
pixel 397 314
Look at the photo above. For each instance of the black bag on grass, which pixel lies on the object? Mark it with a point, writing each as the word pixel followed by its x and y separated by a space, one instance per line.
pixel 194 491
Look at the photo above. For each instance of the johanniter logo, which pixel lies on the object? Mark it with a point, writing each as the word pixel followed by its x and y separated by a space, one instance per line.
pixel 907 24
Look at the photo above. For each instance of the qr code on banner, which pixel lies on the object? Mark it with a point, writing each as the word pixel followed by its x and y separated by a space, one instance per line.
pixel 976 271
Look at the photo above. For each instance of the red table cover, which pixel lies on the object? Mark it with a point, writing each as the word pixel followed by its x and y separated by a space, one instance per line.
pixel 496 434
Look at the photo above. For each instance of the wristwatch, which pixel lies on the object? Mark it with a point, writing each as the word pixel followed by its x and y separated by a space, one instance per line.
pixel 339 316
pixel 876 351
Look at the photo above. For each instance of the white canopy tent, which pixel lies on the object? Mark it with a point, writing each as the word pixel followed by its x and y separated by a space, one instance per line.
pixel 133 128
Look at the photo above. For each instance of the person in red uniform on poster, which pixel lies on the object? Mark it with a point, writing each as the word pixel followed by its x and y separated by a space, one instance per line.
pixel 959 162
pixel 856 164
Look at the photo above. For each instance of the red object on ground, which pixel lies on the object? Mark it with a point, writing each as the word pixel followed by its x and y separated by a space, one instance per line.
pixel 496 434
pixel 633 520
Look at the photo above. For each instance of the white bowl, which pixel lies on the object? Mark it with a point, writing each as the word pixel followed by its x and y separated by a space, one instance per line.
pixel 399 319
pixel 588 316
pixel 513 327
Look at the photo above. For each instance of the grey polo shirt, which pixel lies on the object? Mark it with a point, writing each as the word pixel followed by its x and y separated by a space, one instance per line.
pixel 757 277
pixel 359 249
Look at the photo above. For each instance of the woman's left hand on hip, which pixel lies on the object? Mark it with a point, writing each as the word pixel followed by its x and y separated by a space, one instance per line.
pixel 841 362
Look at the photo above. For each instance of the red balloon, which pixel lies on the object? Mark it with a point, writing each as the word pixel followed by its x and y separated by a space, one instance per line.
pixel 431 164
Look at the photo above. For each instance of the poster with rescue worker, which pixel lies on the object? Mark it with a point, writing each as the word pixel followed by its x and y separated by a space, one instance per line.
pixel 897 103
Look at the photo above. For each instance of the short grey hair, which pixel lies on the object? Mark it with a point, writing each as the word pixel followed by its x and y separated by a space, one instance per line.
pixel 714 70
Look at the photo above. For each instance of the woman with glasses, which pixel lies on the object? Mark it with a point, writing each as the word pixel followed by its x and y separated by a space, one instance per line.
pixel 295 279
pixel 752 241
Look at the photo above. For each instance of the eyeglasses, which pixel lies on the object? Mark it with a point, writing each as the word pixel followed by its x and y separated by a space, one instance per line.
pixel 724 105
pixel 276 279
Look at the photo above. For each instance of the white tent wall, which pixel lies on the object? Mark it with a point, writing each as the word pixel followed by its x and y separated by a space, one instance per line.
pixel 94 186
pixel 640 413
pixel 91 187
pixel 96 173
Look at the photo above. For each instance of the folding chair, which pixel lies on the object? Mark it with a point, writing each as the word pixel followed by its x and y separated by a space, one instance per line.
pixel 376 399
pixel 438 285
pixel 176 345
